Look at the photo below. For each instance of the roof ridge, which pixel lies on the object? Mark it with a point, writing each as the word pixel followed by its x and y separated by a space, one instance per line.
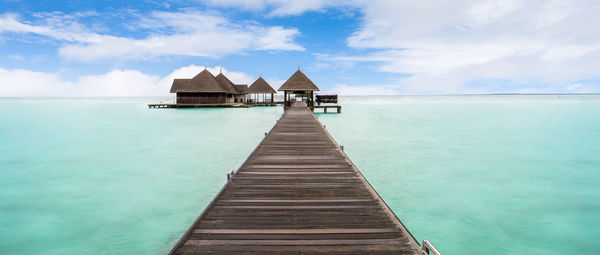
pixel 203 82
pixel 298 82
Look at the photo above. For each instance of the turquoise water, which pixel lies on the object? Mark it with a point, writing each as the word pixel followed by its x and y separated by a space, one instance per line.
pixel 473 174
pixel 110 176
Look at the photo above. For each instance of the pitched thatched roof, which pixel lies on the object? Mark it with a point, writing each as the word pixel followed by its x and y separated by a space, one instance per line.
pixel 226 84
pixel 298 82
pixel 260 86
pixel 241 88
pixel 177 83
pixel 202 82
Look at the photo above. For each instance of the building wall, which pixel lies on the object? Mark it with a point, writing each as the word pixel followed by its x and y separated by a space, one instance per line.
pixel 202 98
pixel 240 98
pixel 229 98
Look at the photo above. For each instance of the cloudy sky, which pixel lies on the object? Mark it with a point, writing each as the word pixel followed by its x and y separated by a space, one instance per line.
pixel 136 48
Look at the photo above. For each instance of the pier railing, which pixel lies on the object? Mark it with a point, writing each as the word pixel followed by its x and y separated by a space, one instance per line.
pixel 428 248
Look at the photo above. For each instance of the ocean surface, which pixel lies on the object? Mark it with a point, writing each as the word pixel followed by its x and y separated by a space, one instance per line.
pixel 499 174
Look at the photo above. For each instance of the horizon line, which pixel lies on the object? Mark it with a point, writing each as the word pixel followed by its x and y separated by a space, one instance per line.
pixel 459 94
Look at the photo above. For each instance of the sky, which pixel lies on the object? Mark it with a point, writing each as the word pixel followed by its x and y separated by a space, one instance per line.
pixel 353 47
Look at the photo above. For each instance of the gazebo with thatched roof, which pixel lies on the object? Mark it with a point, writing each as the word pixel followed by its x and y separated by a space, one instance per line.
pixel 301 86
pixel 258 88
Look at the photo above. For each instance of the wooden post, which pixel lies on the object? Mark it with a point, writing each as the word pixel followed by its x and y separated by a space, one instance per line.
pixel 312 103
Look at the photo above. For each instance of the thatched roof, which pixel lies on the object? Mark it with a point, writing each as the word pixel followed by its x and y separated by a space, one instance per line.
pixel 241 88
pixel 203 82
pixel 226 84
pixel 260 86
pixel 177 83
pixel 298 82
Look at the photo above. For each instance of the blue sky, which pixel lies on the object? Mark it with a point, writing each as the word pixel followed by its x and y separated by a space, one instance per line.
pixel 353 47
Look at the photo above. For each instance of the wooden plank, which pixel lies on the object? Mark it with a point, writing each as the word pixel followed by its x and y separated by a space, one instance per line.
pixel 297 231
pixel 309 166
pixel 296 173
pixel 293 242
pixel 295 200
pixel 296 249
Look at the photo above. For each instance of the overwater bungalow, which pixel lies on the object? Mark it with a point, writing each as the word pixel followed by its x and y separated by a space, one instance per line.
pixel 259 88
pixel 205 88
pixel 299 88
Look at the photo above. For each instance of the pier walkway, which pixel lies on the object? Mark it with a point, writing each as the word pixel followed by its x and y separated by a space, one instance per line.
pixel 297 193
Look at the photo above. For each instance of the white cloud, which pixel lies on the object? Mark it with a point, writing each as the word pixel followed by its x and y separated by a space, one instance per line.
pixel 443 45
pixel 55 25
pixel 19 83
pixel 235 77
pixel 546 42
pixel 120 83
pixel 270 39
pixel 116 83
pixel 280 7
pixel 347 90
pixel 275 83
pixel 186 33
pixel 583 88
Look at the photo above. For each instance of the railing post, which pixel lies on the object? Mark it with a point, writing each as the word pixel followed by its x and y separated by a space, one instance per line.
pixel 428 247
pixel 230 175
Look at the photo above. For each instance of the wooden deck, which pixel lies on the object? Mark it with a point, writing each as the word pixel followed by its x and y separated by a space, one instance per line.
pixel 297 193
pixel 338 108
pixel 264 103
pixel 225 105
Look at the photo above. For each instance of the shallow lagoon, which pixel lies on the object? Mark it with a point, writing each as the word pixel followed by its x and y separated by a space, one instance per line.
pixel 473 174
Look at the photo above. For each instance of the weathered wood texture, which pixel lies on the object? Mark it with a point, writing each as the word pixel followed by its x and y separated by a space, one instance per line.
pixel 224 105
pixel 338 108
pixel 297 193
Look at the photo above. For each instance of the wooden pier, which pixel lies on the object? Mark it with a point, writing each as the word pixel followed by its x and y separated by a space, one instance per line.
pixel 264 103
pixel 297 193
pixel 227 105
pixel 338 108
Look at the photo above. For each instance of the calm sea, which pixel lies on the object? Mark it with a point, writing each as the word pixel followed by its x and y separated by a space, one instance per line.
pixel 473 174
